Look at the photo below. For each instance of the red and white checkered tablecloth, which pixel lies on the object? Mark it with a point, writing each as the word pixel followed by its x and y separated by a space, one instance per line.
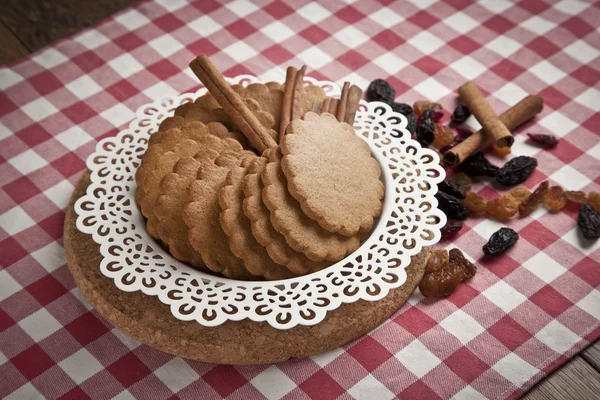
pixel 523 315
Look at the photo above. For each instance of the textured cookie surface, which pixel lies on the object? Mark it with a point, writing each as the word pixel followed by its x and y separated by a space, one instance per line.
pixel 332 174
pixel 262 229
pixel 300 232
pixel 236 226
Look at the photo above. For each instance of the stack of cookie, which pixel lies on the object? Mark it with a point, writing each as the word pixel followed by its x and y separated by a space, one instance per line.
pixel 305 203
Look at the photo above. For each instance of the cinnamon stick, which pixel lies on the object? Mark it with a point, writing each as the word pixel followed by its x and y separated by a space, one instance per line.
pixel 354 95
pixel 512 118
pixel 259 137
pixel 474 100
pixel 343 105
pixel 290 108
pixel 325 105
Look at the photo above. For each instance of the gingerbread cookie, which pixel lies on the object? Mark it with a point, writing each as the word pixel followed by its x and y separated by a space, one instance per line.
pixel 331 173
pixel 201 215
pixel 262 229
pixel 237 226
pixel 300 232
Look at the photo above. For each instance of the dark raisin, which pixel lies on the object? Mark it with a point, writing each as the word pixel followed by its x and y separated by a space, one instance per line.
pixel 451 228
pixel 412 123
pixel 426 128
pixel 456 256
pixel 380 90
pixel 402 108
pixel 452 189
pixel 543 140
pixel 516 171
pixel 500 241
pixel 478 165
pixel 589 222
pixel 451 206
pixel 460 114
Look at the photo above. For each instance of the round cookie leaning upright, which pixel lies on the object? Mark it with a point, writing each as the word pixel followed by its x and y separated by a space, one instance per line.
pixel 331 173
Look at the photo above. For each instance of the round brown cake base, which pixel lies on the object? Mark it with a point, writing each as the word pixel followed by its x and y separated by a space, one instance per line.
pixel 148 320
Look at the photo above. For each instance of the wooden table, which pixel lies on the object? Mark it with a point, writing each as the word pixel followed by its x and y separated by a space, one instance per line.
pixel 28 25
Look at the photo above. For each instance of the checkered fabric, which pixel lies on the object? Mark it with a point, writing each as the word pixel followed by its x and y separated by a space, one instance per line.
pixel 524 314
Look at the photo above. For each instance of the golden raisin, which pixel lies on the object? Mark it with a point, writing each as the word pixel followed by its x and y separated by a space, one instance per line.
pixel 594 201
pixel 576 196
pixel 421 105
pixel 534 200
pixel 456 256
pixel 517 195
pixel 501 209
pixel 442 136
pixel 475 203
pixel 463 180
pixel 441 277
pixel 501 151
pixel 555 199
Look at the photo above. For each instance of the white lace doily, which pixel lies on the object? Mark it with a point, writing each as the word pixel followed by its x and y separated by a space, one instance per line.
pixel 410 221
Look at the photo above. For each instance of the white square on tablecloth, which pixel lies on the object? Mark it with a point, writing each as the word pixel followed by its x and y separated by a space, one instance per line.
pixel 386 17
pixel 590 99
pixel 431 89
pixel 4 132
pixel 28 161
pixel 15 220
pixel 81 365
pixel 572 7
pixel 504 296
pixel 39 109
pixel 351 37
pixel 460 22
pixel 547 72
pixel 275 74
pixel 523 148
pixel 496 6
pixel 74 137
pixel 159 90
pixel 510 93
pixel 370 388
pixel 558 124
pixel 468 393
pixel 538 25
pixel 8 285
pixel 576 239
pixel 325 358
pixel 60 193
pixel 83 87
pixel 79 296
pixel 468 67
pixel 277 32
pixel 166 45
pixel 124 395
pixel 595 151
pixel 204 26
pixel 590 303
pixel 50 58
pixel 176 374
pixel 172 5
pixel 515 369
pixel 118 114
pixel 544 267
pixel 503 45
pixel 417 358
pixel 91 39
pixel 241 8
pixel 557 336
pixel 3 358
pixel 423 4
pixel 125 65
pixel 272 383
pixel 128 341
pixel 355 79
pixel 40 324
pixel 8 78
pixel 240 52
pixel 581 51
pixel 314 12
pixel 569 177
pixel 390 63
pixel 315 57
pixel 132 19
pixel 426 42
pixel 52 255
pixel 462 325
pixel 27 391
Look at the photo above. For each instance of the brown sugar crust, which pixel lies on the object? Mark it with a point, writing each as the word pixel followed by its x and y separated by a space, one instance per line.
pixel 300 232
pixel 331 173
